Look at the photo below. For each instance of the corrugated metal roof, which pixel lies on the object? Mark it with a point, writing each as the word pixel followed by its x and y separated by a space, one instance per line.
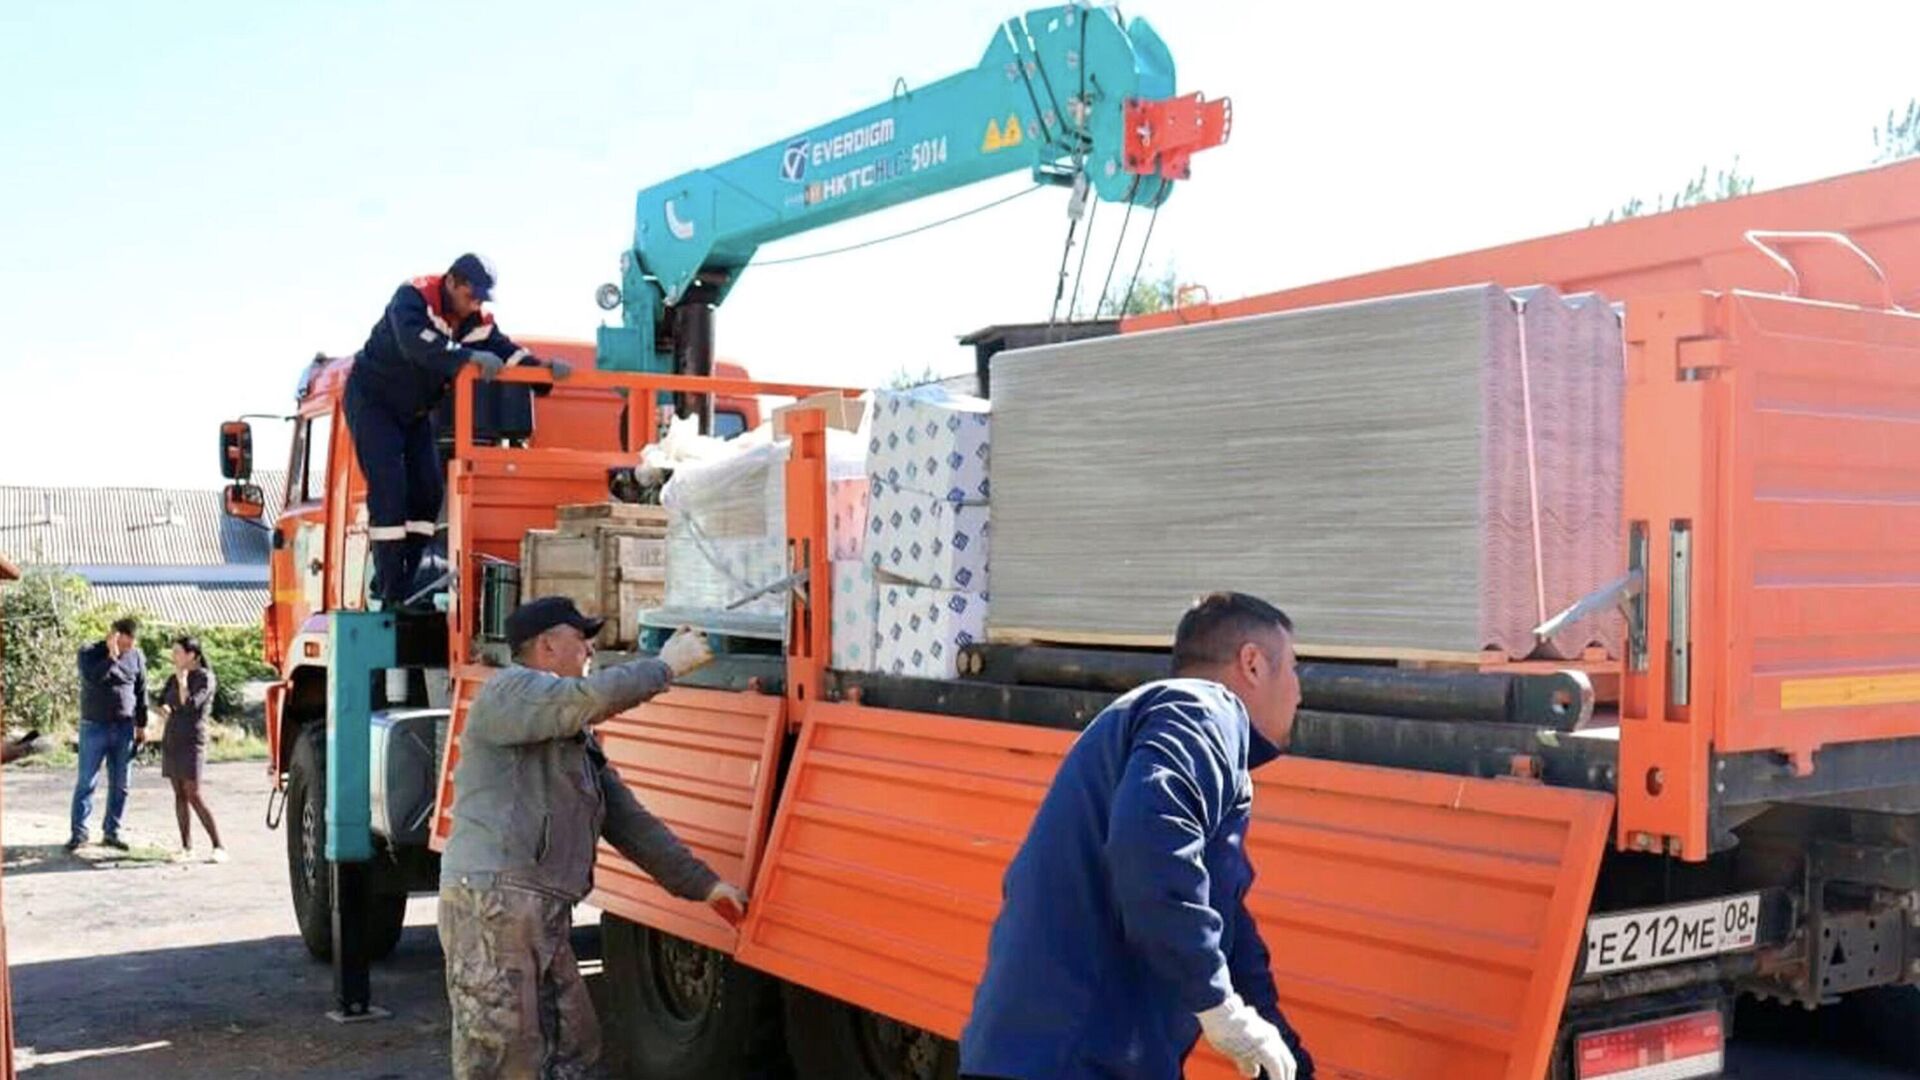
pixel 193 605
pixel 116 526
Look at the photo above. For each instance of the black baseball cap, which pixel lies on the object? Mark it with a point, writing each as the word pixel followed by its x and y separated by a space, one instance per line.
pixel 536 617
pixel 477 272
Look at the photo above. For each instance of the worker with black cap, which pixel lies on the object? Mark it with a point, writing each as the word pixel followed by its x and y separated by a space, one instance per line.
pixel 433 326
pixel 534 795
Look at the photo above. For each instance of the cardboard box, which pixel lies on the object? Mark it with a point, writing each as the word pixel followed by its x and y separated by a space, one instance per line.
pixel 927 540
pixel 841 411
pixel 937 444
pixel 922 630
pixel 856 613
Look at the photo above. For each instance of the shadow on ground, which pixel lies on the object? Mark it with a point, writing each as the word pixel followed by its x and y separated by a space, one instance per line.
pixel 241 1009
pixel 1874 1035
pixel 56 859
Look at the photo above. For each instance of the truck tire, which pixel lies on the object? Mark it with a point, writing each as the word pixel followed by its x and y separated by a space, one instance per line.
pixel 308 871
pixel 681 1011
pixel 831 1038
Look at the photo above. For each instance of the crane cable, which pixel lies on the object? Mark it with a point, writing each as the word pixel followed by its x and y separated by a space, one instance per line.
pixel 1159 200
pixel 1066 252
pixel 1080 272
pixel 1003 200
pixel 1073 307
pixel 1107 285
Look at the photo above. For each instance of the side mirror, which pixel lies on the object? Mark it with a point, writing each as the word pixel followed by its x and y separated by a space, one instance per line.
pixel 245 501
pixel 236 451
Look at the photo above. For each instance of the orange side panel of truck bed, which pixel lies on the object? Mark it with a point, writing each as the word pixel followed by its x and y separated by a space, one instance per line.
pixel 702 761
pixel 1422 926
pixel 1702 247
pixel 1773 463
pixel 705 763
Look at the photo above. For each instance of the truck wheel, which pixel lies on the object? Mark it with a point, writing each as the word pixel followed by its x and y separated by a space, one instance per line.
pixel 308 870
pixel 685 1012
pixel 307 867
pixel 831 1038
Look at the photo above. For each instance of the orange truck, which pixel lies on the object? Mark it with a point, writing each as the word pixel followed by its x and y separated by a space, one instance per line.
pixel 1456 883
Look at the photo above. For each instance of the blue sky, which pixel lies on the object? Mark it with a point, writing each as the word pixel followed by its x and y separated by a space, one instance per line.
pixel 194 197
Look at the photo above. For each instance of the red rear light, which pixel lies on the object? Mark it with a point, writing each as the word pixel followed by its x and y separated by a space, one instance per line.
pixel 1676 1048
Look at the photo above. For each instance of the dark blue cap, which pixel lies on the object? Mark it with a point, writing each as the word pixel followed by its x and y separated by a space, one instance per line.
pixel 476 272
pixel 536 617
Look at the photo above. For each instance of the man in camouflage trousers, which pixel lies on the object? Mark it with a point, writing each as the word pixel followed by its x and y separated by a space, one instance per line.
pixel 534 795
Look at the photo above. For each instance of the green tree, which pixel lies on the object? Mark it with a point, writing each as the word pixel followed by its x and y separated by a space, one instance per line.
pixel 1155 292
pixel 51 614
pixel 39 615
pixel 1727 183
pixel 906 378
pixel 235 653
pixel 1899 138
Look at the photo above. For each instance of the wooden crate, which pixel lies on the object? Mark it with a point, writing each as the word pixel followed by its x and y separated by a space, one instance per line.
pixel 579 517
pixel 610 571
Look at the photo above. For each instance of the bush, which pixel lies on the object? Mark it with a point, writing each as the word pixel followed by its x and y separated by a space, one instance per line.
pixel 50 615
pixel 39 617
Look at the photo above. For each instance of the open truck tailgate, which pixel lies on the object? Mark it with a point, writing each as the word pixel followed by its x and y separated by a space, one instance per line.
pixel 1422 926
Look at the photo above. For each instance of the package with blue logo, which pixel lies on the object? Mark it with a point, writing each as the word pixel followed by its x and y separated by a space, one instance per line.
pixel 927 540
pixel 922 630
pixel 856 613
pixel 931 441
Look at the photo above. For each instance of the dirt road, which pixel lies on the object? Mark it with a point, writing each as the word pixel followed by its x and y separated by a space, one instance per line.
pixel 134 967
pixel 130 966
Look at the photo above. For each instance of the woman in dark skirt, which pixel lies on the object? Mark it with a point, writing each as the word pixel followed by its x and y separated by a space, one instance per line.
pixel 186 701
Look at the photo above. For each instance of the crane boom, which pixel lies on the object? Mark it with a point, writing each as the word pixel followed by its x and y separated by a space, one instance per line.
pixel 1067 92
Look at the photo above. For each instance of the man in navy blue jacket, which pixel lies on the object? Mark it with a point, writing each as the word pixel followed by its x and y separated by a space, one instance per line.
pixel 434 326
pixel 1123 934
pixel 113 724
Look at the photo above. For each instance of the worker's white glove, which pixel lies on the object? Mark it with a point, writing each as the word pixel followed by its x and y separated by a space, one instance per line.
pixel 560 368
pixel 488 364
pixel 686 650
pixel 728 902
pixel 1252 1044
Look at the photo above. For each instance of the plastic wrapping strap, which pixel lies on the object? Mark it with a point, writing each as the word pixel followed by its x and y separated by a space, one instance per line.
pixel 705 544
pixel 1533 469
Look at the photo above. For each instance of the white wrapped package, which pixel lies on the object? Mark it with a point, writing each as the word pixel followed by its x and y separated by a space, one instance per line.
pixel 927 540
pixel 726 525
pixel 856 613
pixel 931 440
pixel 847 517
pixel 922 630
pixel 708 573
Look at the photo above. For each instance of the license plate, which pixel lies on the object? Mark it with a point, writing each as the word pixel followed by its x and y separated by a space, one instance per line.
pixel 1637 939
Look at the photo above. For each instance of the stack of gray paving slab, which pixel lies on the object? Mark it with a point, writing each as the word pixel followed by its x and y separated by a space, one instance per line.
pixel 1419 474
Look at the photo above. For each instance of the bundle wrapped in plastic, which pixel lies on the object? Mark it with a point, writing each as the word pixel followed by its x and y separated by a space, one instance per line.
pixel 727 533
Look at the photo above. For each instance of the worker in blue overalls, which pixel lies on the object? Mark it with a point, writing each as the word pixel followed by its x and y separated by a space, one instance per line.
pixel 433 326
pixel 1124 935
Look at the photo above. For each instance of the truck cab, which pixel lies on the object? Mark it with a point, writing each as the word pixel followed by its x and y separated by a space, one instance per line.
pixel 320 565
